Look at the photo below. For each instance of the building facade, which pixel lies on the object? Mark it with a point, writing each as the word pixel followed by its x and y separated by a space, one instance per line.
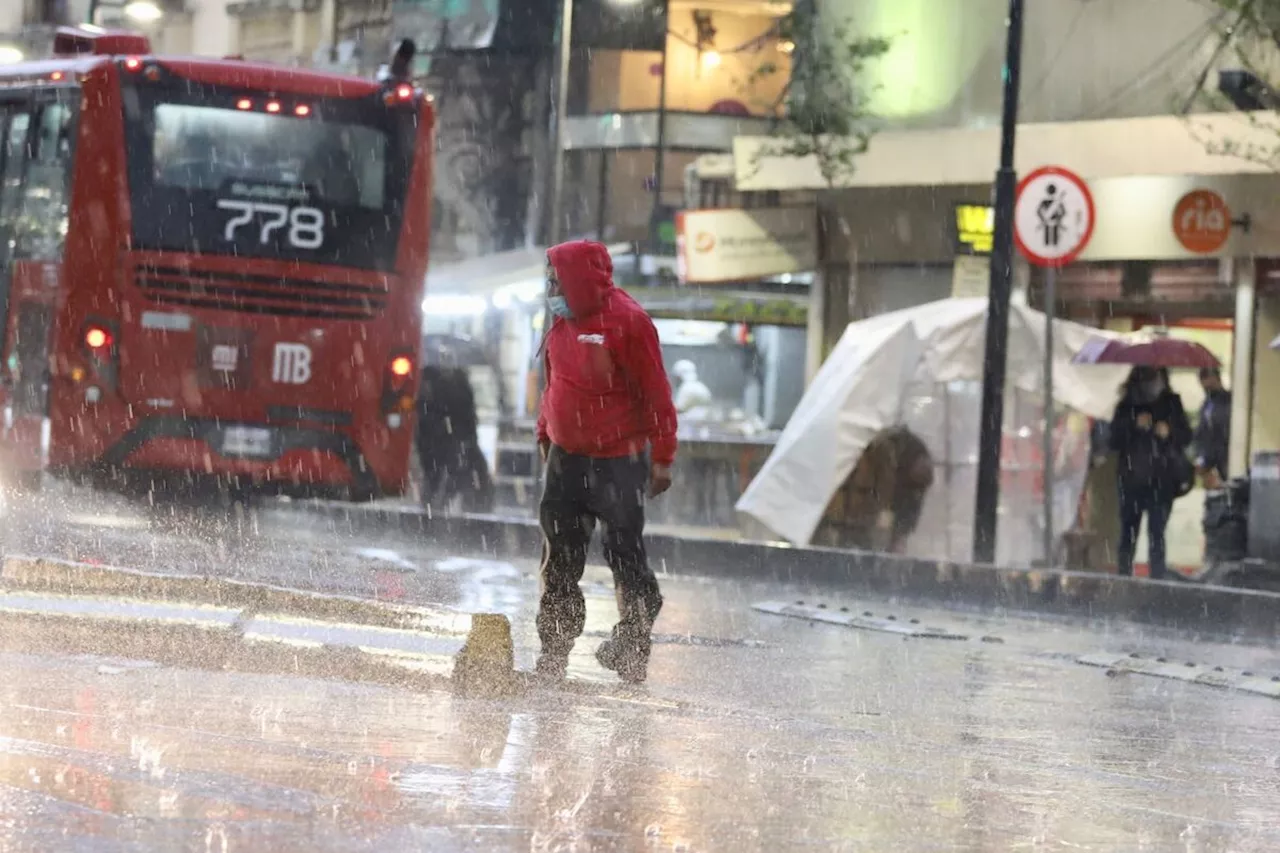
pixel 1123 92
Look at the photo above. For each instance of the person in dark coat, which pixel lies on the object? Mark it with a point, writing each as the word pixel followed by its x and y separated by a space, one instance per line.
pixel 448 447
pixel 879 505
pixel 1150 433
pixel 607 432
pixel 1213 431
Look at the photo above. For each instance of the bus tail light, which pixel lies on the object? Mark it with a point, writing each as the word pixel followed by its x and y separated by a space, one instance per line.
pixel 100 348
pixel 133 63
pixel 302 110
pixel 401 366
pixel 98 339
pixel 273 106
pixel 400 94
pixel 397 389
pixel 244 104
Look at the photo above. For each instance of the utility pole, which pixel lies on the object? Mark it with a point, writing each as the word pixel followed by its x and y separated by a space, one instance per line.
pixel 659 157
pixel 987 500
pixel 555 225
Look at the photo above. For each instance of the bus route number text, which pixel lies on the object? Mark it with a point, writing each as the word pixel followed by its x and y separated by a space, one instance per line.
pixel 306 224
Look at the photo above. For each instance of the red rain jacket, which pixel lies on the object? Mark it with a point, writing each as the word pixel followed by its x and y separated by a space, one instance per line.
pixel 607 391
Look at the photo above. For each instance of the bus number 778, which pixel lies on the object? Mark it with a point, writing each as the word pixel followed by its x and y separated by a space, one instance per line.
pixel 306 224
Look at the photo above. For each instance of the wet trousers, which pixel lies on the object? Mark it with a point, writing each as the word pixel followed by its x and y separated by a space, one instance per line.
pixel 1156 506
pixel 581 491
pixel 452 467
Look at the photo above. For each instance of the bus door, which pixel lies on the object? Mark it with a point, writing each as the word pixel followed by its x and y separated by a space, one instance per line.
pixel 37 134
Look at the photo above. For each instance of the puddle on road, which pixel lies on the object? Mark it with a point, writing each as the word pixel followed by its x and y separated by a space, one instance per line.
pixel 386 555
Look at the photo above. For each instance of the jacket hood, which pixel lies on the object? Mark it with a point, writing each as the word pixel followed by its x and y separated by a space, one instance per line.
pixel 585 272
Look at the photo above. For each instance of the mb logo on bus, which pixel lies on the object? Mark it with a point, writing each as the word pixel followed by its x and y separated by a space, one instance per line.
pixel 292 364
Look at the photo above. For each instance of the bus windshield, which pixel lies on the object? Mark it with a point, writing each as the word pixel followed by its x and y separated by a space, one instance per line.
pixel 238 173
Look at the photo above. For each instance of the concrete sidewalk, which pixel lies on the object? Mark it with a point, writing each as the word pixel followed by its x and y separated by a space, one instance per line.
pixel 1186 607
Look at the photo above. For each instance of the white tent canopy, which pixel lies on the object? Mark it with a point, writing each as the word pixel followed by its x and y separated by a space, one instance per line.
pixel 921 367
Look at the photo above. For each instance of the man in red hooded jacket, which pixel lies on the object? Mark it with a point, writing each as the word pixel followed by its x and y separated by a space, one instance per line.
pixel 607 431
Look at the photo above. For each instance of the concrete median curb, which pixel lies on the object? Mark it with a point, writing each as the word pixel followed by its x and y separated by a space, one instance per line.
pixel 217 623
pixel 41 574
pixel 1186 607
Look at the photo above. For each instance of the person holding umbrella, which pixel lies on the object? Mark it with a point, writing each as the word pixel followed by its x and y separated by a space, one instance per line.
pixel 1150 433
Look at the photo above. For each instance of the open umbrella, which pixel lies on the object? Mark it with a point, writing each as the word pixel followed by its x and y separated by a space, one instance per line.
pixel 452 351
pixel 1154 352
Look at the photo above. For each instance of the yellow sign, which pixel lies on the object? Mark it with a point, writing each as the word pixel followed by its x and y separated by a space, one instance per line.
pixel 975 227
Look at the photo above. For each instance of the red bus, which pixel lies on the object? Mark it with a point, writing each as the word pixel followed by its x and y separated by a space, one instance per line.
pixel 210 267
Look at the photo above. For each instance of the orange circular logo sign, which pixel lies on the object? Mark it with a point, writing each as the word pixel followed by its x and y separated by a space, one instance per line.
pixel 1202 221
pixel 704 242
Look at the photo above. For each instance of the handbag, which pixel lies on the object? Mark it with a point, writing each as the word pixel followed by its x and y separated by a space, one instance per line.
pixel 1183 474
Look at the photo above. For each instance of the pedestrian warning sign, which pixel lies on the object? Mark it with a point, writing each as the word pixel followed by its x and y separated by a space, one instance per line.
pixel 1053 216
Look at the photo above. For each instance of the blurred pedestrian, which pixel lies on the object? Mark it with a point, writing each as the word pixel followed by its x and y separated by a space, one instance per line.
pixel 1213 430
pixel 448 446
pixel 693 398
pixel 879 505
pixel 607 433
pixel 1150 433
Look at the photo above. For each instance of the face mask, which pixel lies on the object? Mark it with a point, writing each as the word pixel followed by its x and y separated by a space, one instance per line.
pixel 559 306
pixel 1151 389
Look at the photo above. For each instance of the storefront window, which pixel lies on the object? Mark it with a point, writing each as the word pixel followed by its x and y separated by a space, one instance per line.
pixel 743 378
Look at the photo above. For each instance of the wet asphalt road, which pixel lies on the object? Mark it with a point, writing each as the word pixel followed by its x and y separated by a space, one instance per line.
pixel 755 733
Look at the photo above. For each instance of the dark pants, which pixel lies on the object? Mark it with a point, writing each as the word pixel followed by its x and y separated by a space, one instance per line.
pixel 581 491
pixel 452 467
pixel 1134 503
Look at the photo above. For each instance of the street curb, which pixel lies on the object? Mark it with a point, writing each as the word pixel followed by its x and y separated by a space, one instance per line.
pixel 47 575
pixel 1185 607
pixel 199 648
pixel 484 665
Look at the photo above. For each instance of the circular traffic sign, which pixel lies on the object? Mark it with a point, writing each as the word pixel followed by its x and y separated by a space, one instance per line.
pixel 1202 221
pixel 1052 217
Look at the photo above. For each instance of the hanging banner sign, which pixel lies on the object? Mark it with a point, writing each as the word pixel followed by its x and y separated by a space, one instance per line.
pixel 745 245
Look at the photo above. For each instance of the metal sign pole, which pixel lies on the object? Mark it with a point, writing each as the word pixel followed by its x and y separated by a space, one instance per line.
pixel 555 225
pixel 986 504
pixel 1050 309
pixel 1053 218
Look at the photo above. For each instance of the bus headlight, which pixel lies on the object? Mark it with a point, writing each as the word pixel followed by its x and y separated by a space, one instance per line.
pixel 92 394
pixel 394 420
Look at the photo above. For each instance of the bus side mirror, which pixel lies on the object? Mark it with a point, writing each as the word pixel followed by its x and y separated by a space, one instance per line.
pixel 402 62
